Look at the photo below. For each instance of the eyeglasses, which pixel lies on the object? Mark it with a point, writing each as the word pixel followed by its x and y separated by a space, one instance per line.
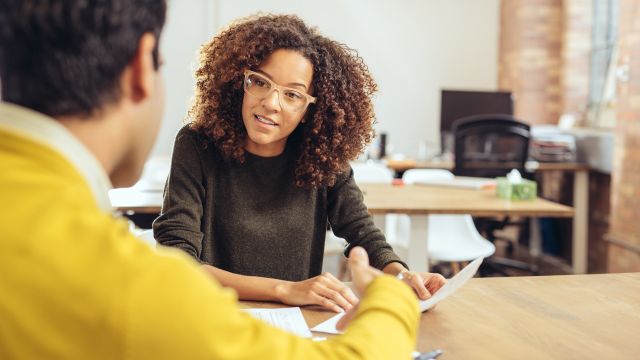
pixel 291 99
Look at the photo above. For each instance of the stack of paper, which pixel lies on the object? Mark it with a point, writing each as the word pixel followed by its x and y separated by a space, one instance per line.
pixel 464 182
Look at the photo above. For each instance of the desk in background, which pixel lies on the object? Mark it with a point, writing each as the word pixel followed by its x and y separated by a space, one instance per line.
pixel 580 223
pixel 542 317
pixel 133 201
pixel 419 201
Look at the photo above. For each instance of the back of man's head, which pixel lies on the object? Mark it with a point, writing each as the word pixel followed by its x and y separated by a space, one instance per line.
pixel 65 57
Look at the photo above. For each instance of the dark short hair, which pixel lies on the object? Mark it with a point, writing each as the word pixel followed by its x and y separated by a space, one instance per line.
pixel 65 57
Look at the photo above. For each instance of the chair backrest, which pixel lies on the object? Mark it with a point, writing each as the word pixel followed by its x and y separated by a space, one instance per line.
pixel 455 238
pixel 490 145
pixel 451 237
pixel 372 173
pixel 376 173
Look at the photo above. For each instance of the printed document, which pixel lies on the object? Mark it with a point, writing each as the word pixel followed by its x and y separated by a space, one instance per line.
pixel 453 284
pixel 287 319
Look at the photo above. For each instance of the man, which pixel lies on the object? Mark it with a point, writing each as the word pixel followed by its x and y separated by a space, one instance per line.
pixel 82 102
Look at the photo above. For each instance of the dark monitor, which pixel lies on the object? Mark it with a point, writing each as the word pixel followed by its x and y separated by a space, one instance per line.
pixel 456 104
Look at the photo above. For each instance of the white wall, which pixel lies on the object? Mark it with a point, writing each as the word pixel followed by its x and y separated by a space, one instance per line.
pixel 188 26
pixel 412 47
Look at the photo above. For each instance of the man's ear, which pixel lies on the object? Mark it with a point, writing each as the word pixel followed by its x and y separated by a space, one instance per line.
pixel 143 69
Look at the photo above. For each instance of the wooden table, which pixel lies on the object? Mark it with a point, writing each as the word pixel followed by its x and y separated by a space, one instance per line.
pixel 543 317
pixel 419 201
pixel 580 223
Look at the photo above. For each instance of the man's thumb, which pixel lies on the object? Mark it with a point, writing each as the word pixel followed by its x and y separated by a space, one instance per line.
pixel 358 257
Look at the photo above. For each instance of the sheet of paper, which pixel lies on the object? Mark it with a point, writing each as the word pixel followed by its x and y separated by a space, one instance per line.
pixel 287 319
pixel 329 326
pixel 453 284
pixel 463 182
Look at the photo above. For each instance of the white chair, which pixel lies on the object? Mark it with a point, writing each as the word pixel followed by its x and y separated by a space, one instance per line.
pixel 377 173
pixel 452 238
pixel 372 173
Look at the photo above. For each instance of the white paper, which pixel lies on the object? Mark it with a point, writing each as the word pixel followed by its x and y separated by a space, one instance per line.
pixel 287 319
pixel 453 284
pixel 463 182
pixel 329 326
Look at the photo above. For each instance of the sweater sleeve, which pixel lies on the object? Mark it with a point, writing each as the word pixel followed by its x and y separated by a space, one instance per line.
pixel 176 312
pixel 179 223
pixel 350 219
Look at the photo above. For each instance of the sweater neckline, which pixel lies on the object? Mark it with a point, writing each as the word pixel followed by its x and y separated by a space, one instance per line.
pixel 253 157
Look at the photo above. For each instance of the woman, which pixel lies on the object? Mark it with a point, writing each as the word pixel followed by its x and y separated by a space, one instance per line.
pixel 264 165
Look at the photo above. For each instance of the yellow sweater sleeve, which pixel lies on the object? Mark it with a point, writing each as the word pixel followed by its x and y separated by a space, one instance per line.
pixel 175 311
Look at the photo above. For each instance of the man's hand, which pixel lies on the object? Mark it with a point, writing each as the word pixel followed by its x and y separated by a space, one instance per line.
pixel 324 290
pixel 362 275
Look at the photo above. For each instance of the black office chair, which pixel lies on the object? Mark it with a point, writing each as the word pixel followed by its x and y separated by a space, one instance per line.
pixel 491 146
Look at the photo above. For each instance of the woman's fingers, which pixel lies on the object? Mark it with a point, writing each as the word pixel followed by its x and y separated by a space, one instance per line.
pixel 325 288
pixel 336 285
pixel 326 303
pixel 417 283
pixel 434 282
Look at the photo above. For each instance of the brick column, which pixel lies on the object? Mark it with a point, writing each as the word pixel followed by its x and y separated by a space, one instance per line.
pixel 624 232
pixel 531 56
pixel 544 60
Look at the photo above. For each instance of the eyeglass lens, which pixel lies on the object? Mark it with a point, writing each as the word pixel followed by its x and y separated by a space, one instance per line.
pixel 261 87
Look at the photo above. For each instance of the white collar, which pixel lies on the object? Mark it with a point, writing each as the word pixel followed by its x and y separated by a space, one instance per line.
pixel 50 132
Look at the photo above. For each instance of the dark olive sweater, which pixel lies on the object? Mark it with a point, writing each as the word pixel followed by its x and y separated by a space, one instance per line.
pixel 251 219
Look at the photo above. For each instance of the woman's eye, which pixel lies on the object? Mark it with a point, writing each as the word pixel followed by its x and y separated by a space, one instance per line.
pixel 260 83
pixel 293 95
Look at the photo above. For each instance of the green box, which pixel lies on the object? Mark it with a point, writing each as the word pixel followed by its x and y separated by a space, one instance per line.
pixel 525 190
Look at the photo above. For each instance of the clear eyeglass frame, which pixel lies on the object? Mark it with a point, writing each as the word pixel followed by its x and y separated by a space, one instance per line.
pixel 281 90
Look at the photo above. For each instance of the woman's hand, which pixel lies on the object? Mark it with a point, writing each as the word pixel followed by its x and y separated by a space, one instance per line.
pixel 324 290
pixel 423 283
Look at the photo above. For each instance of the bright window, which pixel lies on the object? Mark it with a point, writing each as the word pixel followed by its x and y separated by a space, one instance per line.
pixel 604 42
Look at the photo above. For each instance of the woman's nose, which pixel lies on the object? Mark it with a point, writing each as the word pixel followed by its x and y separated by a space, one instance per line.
pixel 272 100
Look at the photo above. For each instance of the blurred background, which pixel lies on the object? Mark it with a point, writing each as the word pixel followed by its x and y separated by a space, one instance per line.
pixel 412 47
pixel 569 67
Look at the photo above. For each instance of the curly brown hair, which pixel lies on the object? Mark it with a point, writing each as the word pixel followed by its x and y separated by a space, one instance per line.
pixel 337 127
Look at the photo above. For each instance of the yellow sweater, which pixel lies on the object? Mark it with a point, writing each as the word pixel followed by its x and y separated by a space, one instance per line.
pixel 75 284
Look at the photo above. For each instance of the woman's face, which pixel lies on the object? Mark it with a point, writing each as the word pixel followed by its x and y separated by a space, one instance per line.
pixel 267 121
